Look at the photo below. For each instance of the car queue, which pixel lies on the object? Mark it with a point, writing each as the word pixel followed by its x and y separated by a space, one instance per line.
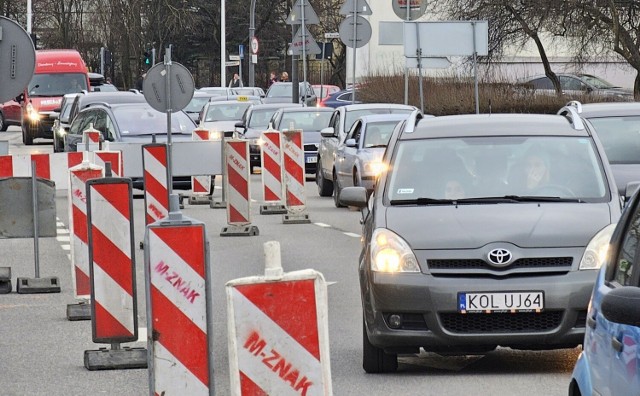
pixel 479 231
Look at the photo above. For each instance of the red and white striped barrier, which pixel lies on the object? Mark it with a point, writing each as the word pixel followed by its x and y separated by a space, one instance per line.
pixel 293 158
pixel 271 162
pixel 279 348
pixel 114 312
pixel 48 166
pixel 100 158
pixel 156 176
pixel 91 136
pixel 201 184
pixel 80 271
pixel 238 189
pixel 178 308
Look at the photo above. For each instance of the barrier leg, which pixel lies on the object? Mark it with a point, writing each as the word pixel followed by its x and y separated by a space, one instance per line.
pixel 5 280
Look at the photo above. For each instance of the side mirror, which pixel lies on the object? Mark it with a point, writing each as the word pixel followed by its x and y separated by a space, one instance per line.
pixel 327 132
pixel 350 143
pixel 622 305
pixel 631 189
pixel 240 125
pixel 20 98
pixel 354 196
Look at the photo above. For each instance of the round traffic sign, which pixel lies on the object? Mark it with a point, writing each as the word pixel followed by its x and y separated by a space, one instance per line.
pixel 17 59
pixel 154 87
pixel 254 45
pixel 417 8
pixel 362 34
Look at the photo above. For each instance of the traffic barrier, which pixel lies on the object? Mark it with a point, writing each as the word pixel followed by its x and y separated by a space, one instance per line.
pixel 53 167
pixel 5 280
pixel 16 208
pixel 80 271
pixel 295 197
pixel 179 307
pixel 202 186
pixel 156 181
pixel 238 190
pixel 271 163
pixel 278 331
pixel 101 157
pixel 91 139
pixel 114 312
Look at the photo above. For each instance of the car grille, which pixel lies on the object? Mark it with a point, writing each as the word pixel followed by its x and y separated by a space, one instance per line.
pixel 530 262
pixel 525 322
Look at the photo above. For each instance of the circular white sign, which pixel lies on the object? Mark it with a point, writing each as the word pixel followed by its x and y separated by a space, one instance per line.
pixel 254 45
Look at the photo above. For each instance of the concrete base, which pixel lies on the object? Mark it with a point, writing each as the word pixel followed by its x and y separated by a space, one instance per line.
pixel 200 200
pixel 5 280
pixel 218 205
pixel 235 230
pixel 272 209
pixel 38 285
pixel 115 359
pixel 296 218
pixel 79 311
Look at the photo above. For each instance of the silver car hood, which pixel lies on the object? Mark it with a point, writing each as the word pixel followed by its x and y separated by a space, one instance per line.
pixel 220 125
pixel 371 154
pixel 472 226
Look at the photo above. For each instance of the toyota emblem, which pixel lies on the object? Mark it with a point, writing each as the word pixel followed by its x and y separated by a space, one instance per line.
pixel 499 257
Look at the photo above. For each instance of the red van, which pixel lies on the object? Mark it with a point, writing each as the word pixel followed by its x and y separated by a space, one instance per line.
pixel 57 72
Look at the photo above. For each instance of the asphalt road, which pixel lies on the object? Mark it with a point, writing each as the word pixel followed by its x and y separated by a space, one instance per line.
pixel 41 352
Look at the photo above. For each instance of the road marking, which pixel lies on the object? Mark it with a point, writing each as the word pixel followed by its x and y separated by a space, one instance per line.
pixel 63 237
pixel 351 234
pixel 322 225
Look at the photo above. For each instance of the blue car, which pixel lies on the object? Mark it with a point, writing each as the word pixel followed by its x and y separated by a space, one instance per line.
pixel 610 362
pixel 340 98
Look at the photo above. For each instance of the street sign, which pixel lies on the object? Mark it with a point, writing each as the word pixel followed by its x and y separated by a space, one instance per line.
pixel 254 45
pixel 232 63
pixel 417 8
pixel 362 7
pixel 310 16
pixel 154 87
pixel 241 51
pixel 363 32
pixel 332 35
pixel 311 47
pixel 234 57
pixel 446 38
pixel 17 59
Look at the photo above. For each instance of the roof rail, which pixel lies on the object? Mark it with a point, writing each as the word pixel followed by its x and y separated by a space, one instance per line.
pixel 573 116
pixel 576 104
pixel 412 121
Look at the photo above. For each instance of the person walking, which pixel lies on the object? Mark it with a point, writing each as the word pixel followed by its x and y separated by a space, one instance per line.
pixel 272 79
pixel 284 77
pixel 235 82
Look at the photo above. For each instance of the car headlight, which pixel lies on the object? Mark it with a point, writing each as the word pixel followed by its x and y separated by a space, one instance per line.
pixel 32 113
pixel 215 135
pixel 391 253
pixel 374 167
pixel 597 250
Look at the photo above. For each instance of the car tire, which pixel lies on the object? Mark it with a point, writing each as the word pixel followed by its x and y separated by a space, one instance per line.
pixel 325 187
pixel 336 191
pixel 3 124
pixel 374 359
pixel 58 145
pixel 27 139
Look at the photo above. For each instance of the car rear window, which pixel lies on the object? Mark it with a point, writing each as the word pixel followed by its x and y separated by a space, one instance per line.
pixel 353 115
pixel 480 167
pixel 620 137
pixel 134 121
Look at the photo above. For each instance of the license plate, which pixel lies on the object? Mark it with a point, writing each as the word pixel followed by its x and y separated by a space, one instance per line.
pixel 529 301
pixel 312 159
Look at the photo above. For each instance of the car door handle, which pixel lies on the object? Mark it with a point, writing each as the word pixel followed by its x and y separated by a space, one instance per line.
pixel 616 344
pixel 591 322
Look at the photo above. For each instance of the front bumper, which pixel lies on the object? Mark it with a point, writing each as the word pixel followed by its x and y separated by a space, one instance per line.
pixel 428 305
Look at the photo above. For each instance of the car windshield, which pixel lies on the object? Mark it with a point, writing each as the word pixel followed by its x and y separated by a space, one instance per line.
pixel 620 137
pixel 66 111
pixel 226 111
pixel 597 82
pixel 305 120
pixel 377 134
pixel 353 115
pixel 260 118
pixel 196 104
pixel 136 120
pixel 246 91
pixel 56 84
pixel 215 91
pixel 517 169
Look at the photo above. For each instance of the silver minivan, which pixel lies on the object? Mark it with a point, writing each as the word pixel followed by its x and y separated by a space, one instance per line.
pixel 479 234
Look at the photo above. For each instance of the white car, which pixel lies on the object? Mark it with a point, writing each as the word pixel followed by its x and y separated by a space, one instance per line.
pixel 341 122
pixel 223 115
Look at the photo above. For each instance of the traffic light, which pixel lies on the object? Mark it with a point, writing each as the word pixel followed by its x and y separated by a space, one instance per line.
pixel 34 39
pixel 147 58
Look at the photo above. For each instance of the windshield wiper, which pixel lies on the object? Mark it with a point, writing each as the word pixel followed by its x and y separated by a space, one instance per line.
pixel 535 198
pixel 422 201
pixel 376 146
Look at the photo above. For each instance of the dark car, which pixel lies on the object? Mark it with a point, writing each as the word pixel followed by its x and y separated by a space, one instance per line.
pixel 617 125
pixel 85 99
pixel 311 121
pixel 573 85
pixel 477 235
pixel 10 114
pixel 255 120
pixel 281 92
pixel 62 122
pixel 340 98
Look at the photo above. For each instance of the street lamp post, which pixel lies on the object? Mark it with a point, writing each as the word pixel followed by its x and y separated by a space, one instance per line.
pixel 223 44
pixel 252 31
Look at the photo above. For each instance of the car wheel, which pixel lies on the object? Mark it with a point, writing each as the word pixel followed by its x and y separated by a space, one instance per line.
pixel 58 146
pixel 3 125
pixel 336 191
pixel 27 139
pixel 325 187
pixel 356 178
pixel 374 359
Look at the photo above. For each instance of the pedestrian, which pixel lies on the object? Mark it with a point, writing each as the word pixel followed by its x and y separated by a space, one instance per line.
pixel 272 78
pixel 235 81
pixel 284 77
